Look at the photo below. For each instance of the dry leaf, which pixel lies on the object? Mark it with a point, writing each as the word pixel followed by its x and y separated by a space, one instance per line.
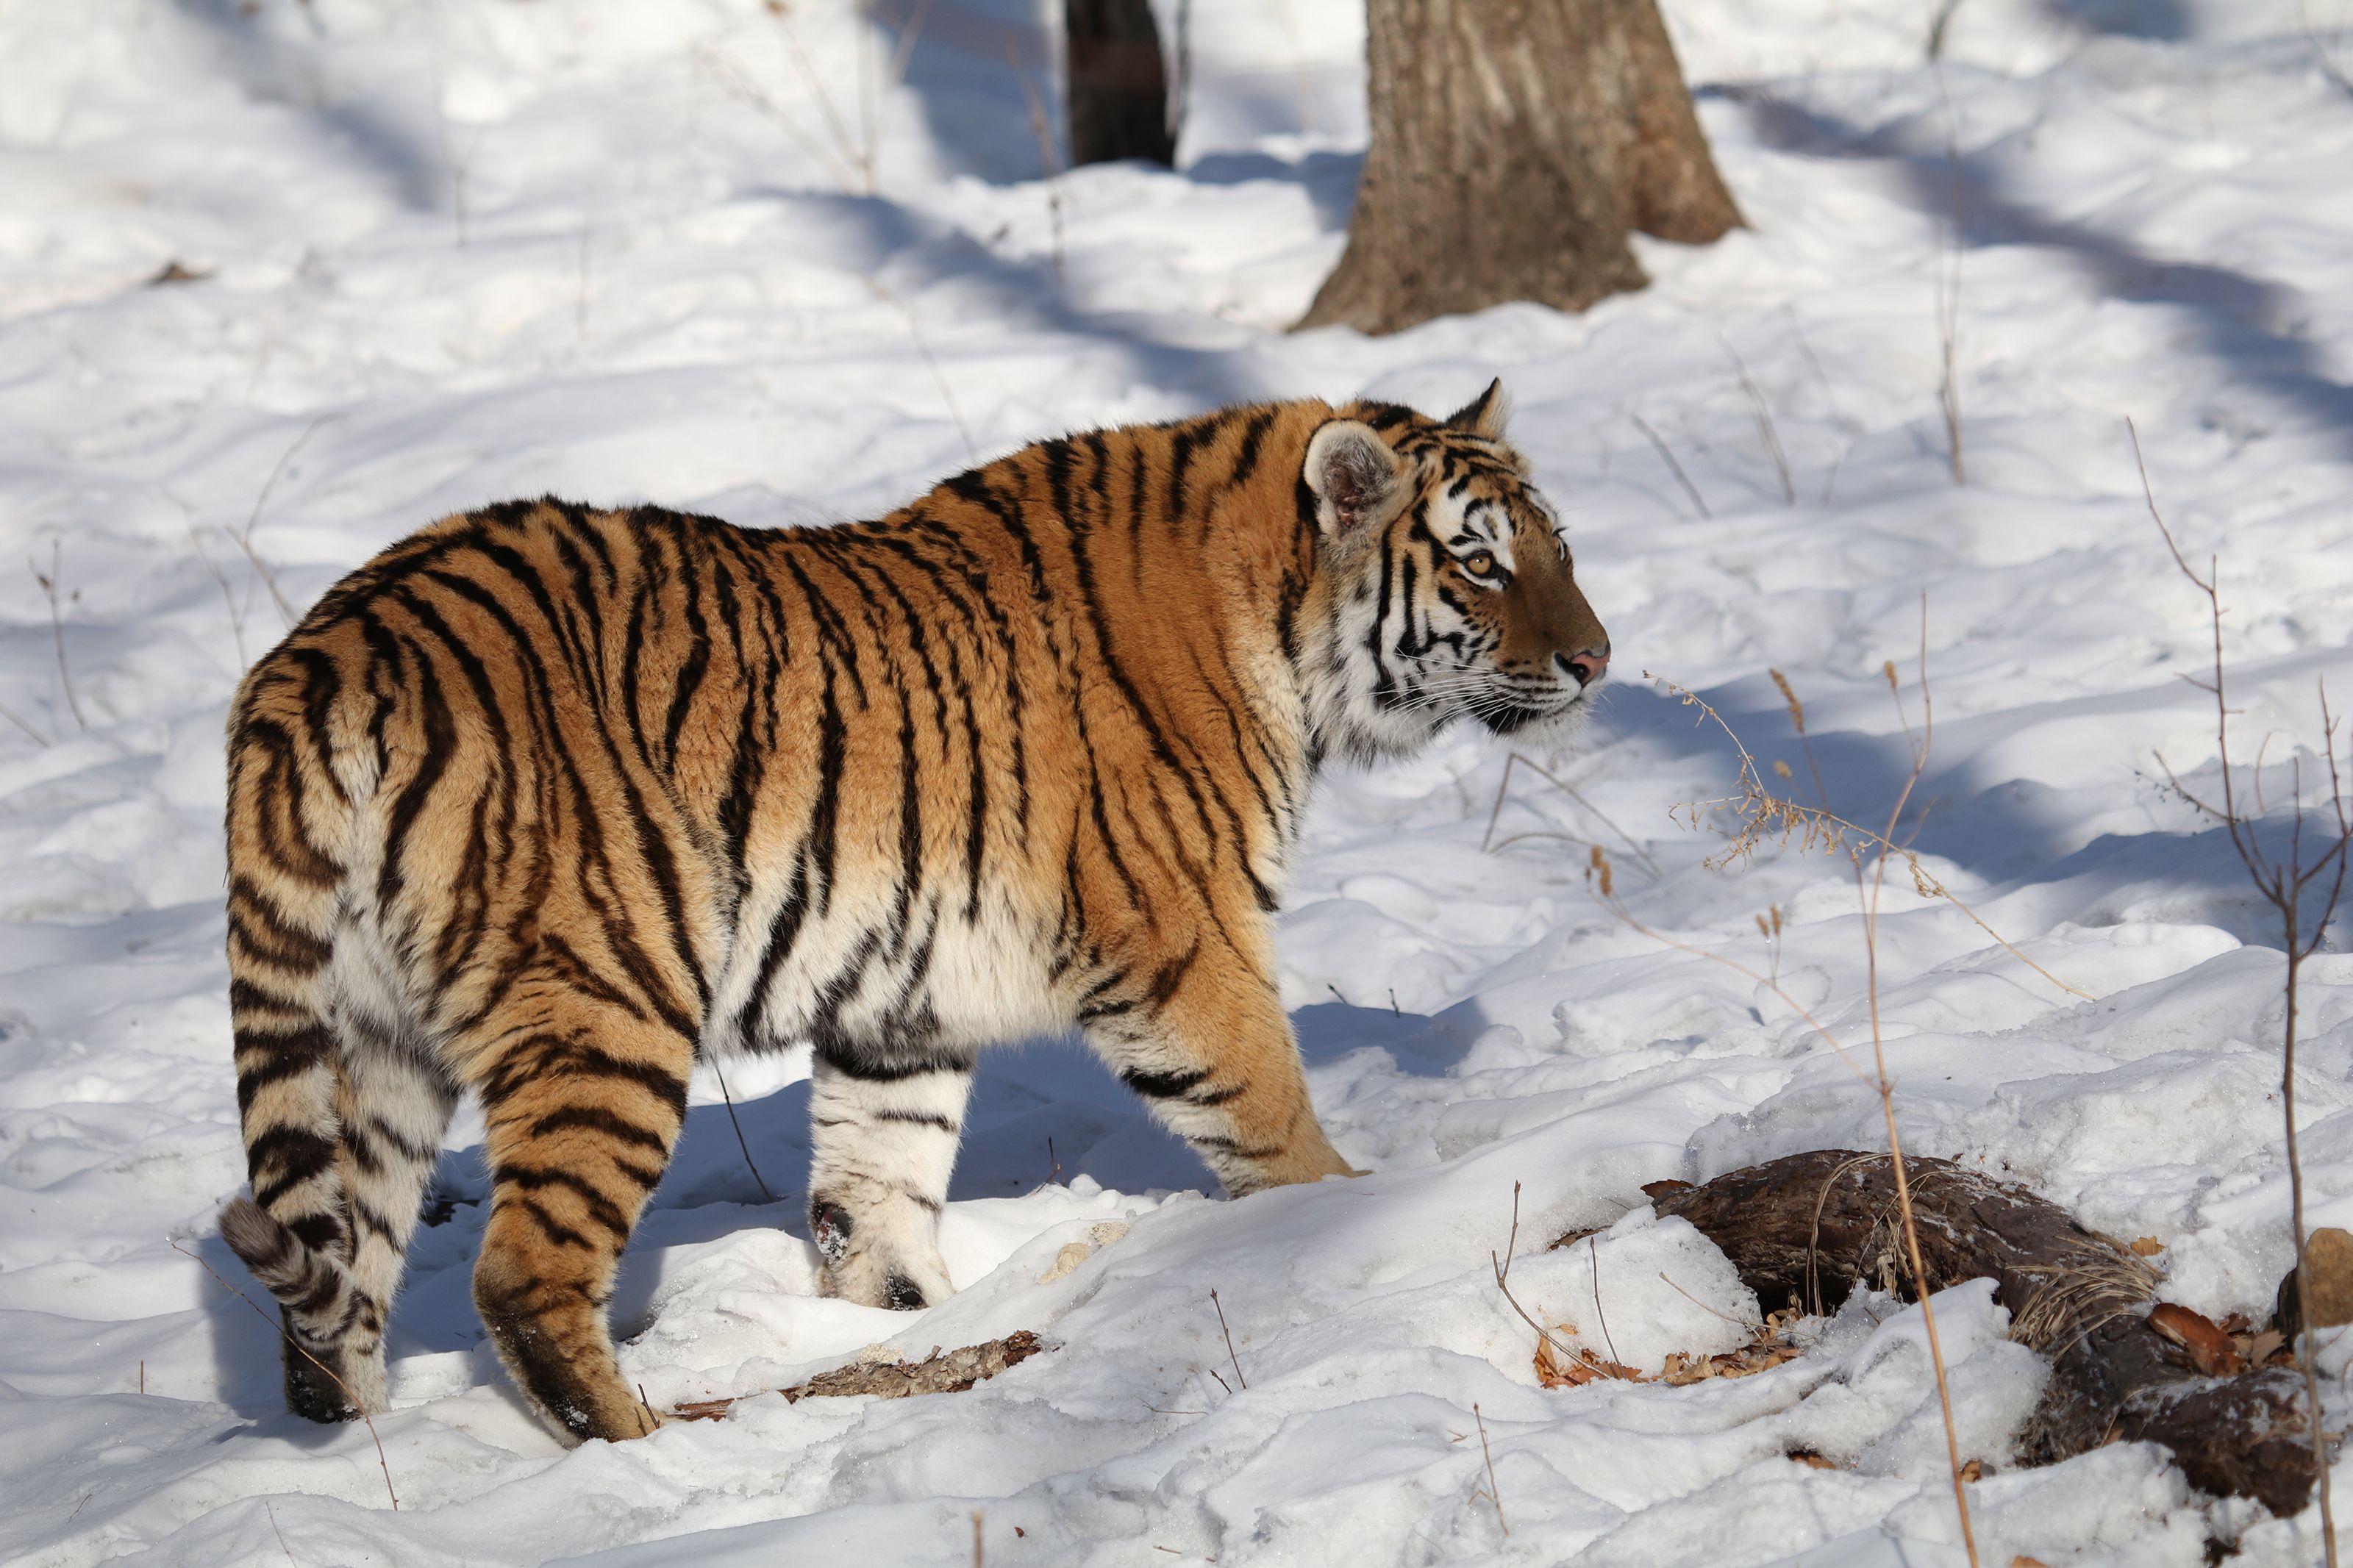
pixel 2211 1350
pixel 1575 1366
pixel 1808 1456
pixel 2023 1561
pixel 2149 1247
pixel 1974 1470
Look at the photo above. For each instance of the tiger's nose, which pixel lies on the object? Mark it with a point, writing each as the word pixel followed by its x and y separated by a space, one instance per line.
pixel 1586 667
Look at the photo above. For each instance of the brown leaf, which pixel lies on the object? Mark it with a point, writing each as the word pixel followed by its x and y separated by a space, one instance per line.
pixel 1808 1456
pixel 2023 1561
pixel 2149 1247
pixel 2211 1350
pixel 952 1372
pixel 1974 1470
pixel 1655 1190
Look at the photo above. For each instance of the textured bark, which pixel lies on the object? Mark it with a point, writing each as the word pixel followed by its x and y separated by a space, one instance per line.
pixel 1119 86
pixel 941 1372
pixel 1516 143
pixel 1804 1230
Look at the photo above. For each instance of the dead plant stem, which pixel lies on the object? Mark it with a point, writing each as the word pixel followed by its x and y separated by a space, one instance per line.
pixel 1494 1492
pixel 1666 455
pixel 48 581
pixel 288 1336
pixel 2285 885
pixel 1234 1359
pixel 761 1181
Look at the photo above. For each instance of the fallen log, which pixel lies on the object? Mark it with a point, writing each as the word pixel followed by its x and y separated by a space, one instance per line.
pixel 1804 1230
pixel 941 1372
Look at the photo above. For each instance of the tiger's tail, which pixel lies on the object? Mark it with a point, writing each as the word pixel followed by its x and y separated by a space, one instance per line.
pixel 288 819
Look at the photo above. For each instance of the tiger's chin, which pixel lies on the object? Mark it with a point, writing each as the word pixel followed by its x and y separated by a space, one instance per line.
pixel 1546 726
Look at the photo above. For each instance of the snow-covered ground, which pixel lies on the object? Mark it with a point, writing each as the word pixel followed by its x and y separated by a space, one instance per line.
pixel 445 254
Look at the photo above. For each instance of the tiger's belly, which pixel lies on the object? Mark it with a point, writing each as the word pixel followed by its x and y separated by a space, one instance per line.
pixel 888 976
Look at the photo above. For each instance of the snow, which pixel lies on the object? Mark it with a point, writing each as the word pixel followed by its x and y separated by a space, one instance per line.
pixel 457 253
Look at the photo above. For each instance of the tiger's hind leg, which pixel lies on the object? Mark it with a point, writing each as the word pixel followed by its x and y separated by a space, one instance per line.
pixel 883 1133
pixel 1203 1038
pixel 393 1106
pixel 582 1097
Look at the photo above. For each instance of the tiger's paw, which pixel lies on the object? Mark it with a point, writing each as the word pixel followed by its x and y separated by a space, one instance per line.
pixel 878 1259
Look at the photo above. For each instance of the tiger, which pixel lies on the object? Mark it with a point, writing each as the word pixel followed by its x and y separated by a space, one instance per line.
pixel 545 803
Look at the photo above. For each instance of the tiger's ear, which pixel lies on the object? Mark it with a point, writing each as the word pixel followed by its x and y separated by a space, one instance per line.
pixel 1484 415
pixel 1357 477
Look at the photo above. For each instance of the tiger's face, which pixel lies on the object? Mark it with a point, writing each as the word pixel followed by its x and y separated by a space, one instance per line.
pixel 1452 593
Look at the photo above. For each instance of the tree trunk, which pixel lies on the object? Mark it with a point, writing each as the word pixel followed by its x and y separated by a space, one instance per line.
pixel 1118 86
pixel 1515 144
pixel 1805 1229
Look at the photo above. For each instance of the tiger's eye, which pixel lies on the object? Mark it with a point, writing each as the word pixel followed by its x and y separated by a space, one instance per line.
pixel 1479 564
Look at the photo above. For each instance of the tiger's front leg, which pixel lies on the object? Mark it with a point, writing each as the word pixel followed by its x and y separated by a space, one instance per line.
pixel 1202 1036
pixel 883 1133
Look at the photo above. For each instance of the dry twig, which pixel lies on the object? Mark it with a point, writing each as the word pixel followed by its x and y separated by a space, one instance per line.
pixel 48 581
pixel 949 1371
pixel 1948 287
pixel 1487 841
pixel 272 1516
pixel 1668 456
pixel 1230 1338
pixel 288 1336
pixel 1050 161
pixel 759 1181
pixel 2294 887
pixel 939 377
pixel 1494 1492
pixel 1767 431
pixel 1762 816
pixel 253 520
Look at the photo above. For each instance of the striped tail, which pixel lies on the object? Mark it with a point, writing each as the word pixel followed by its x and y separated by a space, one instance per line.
pixel 316 1298
pixel 288 821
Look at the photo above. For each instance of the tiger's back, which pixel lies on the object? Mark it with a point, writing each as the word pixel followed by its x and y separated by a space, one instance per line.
pixel 543 801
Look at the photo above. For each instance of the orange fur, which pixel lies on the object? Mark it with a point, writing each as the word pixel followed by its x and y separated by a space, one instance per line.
pixel 544 800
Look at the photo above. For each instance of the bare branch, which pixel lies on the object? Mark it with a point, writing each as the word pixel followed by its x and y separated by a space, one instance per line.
pixel 1674 467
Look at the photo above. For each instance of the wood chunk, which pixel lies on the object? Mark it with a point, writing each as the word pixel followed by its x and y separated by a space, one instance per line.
pixel 2328 1254
pixel 950 1372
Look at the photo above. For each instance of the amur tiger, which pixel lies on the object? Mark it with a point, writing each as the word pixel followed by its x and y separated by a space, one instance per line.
pixel 542 803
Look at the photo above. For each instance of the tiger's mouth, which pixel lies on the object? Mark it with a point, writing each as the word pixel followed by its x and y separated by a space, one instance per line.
pixel 1512 718
pixel 1515 713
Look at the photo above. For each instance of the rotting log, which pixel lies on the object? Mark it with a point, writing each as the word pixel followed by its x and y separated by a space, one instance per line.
pixel 1805 1230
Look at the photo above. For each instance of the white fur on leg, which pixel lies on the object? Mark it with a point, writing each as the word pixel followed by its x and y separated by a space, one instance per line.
pixel 884 1149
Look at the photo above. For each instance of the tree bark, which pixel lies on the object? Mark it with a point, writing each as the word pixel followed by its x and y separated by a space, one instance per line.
pixel 1804 1230
pixel 1515 144
pixel 1119 85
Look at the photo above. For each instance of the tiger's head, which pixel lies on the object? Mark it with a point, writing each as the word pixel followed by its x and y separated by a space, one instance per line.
pixel 1451 592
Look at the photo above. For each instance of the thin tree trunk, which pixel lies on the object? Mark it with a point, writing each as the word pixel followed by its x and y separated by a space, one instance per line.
pixel 1119 85
pixel 1516 144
